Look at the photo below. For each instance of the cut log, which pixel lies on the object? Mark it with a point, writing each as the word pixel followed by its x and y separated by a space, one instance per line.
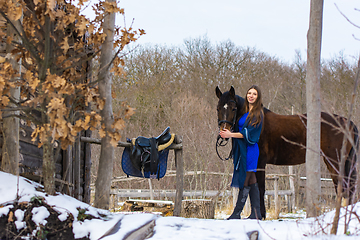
pixel 198 208
pixel 166 208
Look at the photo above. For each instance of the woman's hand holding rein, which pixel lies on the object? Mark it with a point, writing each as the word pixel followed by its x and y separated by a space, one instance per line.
pixel 225 133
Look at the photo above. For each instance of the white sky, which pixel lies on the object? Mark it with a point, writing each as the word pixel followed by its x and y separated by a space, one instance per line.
pixel 276 27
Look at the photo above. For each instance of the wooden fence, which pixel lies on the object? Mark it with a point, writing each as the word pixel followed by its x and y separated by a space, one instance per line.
pixel 289 194
pixel 275 195
pixel 179 164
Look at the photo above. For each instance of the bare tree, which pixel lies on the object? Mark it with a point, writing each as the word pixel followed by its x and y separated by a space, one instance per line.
pixel 313 183
pixel 103 181
pixel 10 148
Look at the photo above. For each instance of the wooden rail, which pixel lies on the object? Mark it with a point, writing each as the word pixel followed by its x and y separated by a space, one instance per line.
pixel 175 146
pixel 146 193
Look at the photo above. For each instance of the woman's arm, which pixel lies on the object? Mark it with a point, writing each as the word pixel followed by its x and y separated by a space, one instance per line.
pixel 227 134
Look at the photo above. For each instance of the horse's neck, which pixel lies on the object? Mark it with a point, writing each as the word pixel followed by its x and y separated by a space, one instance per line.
pixel 240 103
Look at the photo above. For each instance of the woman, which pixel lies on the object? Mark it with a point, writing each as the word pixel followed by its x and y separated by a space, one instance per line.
pixel 246 153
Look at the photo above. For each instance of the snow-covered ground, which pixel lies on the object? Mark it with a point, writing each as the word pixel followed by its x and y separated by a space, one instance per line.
pixel 165 227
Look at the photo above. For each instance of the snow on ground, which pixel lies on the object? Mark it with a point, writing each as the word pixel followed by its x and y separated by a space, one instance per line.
pixel 168 227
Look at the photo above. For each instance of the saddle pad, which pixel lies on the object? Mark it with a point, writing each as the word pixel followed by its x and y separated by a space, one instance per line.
pixel 130 170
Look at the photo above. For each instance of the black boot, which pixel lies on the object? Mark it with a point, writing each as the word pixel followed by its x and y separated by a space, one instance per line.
pixel 243 194
pixel 254 195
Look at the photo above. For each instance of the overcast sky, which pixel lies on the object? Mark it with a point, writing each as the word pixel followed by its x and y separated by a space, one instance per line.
pixel 276 27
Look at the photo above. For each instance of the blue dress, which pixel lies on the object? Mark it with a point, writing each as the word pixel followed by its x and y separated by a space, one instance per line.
pixel 245 150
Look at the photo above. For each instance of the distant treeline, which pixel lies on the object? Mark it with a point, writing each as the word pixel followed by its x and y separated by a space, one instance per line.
pixel 175 86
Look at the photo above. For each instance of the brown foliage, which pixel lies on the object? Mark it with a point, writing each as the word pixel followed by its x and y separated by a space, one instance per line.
pixel 57 45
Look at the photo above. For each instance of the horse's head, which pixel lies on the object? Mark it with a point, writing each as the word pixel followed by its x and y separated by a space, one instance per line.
pixel 228 108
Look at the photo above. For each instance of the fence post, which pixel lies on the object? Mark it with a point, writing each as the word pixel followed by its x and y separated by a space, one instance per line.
pixel 151 189
pixel 179 177
pixel 68 170
pixel 292 187
pixel 77 168
pixel 276 197
pixel 87 168
pixel 292 178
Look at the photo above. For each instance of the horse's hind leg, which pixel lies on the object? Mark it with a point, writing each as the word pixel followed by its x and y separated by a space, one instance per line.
pixel 350 167
pixel 350 178
pixel 260 177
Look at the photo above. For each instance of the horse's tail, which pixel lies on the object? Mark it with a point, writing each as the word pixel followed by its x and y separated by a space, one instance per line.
pixel 350 164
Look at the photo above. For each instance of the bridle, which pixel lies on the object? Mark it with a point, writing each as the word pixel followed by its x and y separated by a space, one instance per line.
pixel 221 142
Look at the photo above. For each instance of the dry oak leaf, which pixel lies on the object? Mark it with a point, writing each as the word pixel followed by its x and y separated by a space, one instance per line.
pixel 60 131
pixel 55 104
pixel 81 2
pixel 86 122
pixel 5 100
pixel 14 11
pixel 32 81
pixel 118 71
pixel 142 31
pixel 115 138
pixel 129 111
pixel 101 103
pixel 51 4
pixel 56 81
pixel 119 124
pixel 82 24
pixel 96 119
pixel 113 142
pixel 36 2
pixel 102 133
pixel 11 217
pixel 65 45
pixel 111 7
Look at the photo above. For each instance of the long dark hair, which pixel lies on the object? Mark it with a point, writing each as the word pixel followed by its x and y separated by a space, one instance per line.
pixel 257 114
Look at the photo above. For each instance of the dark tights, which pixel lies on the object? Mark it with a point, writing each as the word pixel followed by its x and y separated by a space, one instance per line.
pixel 250 179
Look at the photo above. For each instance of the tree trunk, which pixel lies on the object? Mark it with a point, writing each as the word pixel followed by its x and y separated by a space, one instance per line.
pixel 10 148
pixel 48 166
pixel 104 176
pixel 313 183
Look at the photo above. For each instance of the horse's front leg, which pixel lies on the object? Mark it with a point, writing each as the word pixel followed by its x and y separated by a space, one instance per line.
pixel 260 176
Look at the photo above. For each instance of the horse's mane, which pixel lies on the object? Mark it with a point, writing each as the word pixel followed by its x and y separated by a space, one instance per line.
pixel 266 110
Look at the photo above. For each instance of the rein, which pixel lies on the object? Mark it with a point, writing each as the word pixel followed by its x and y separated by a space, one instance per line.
pixel 220 142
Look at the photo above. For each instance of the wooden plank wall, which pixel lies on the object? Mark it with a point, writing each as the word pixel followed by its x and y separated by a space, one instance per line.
pixel 72 165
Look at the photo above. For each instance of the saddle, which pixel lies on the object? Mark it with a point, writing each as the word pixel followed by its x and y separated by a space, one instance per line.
pixel 144 152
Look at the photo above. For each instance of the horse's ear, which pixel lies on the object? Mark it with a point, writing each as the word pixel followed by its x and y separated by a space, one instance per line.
pixel 232 91
pixel 218 92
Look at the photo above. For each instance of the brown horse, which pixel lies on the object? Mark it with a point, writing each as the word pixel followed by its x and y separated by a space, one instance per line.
pixel 283 140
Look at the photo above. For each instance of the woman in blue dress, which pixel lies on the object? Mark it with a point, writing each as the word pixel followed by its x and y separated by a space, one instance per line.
pixel 246 153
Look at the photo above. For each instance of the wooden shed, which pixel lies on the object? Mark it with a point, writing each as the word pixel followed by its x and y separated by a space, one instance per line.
pixel 73 165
